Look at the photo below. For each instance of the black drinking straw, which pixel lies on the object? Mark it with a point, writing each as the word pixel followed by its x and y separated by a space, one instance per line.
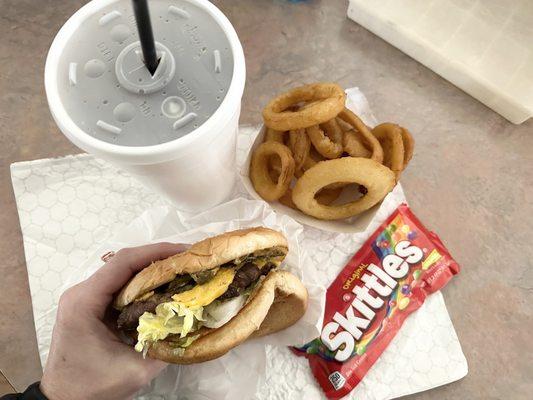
pixel 144 27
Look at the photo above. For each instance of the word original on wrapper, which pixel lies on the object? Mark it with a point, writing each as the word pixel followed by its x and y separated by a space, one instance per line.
pixel 385 281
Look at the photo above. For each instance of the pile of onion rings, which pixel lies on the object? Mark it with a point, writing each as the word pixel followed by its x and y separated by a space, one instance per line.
pixel 314 147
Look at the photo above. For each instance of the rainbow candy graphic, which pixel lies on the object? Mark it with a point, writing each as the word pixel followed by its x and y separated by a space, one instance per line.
pixel 384 244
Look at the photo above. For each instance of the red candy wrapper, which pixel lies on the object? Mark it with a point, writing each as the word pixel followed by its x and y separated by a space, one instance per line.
pixel 384 282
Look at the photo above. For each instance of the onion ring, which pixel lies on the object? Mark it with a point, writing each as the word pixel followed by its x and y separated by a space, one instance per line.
pixel 272 135
pixel 267 188
pixel 352 144
pixel 408 146
pixel 330 96
pixel 323 144
pixel 362 130
pixel 390 138
pixel 300 145
pixel 312 158
pixel 345 126
pixel 274 164
pixel 376 178
pixel 308 163
pixel 333 130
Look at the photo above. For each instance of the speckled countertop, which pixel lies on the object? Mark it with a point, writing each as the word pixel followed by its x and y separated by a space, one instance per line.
pixel 471 179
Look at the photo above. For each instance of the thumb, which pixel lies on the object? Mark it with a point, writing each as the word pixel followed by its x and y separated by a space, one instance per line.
pixel 114 274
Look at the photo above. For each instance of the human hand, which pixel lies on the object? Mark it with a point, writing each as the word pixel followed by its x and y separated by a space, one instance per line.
pixel 87 360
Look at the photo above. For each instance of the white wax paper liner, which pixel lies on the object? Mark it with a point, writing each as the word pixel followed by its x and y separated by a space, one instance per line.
pixel 165 224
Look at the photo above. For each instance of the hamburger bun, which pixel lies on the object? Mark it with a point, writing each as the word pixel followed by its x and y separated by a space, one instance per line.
pixel 206 254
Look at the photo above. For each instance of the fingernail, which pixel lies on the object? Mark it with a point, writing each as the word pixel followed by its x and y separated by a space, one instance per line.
pixel 107 256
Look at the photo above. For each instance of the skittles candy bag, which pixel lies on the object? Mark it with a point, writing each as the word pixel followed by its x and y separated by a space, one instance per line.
pixel 384 282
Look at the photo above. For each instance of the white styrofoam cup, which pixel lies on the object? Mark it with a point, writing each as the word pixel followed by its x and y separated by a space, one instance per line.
pixel 194 172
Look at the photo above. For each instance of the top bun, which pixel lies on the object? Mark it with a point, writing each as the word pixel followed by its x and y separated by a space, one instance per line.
pixel 206 254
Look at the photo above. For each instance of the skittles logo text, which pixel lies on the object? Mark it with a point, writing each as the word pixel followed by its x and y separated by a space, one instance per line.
pixel 362 310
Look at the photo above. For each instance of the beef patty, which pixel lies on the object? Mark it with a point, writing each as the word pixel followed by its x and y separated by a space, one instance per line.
pixel 244 277
pixel 129 316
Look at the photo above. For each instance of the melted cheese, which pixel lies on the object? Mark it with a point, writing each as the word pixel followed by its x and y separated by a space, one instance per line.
pixel 206 293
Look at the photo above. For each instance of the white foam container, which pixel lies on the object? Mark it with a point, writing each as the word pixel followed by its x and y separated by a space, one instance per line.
pixel 358 223
pixel 194 172
pixel 483 47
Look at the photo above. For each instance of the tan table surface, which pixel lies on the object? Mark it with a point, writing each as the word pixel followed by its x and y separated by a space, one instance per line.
pixel 471 179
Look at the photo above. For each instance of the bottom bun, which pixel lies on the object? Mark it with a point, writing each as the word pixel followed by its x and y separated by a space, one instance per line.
pixel 278 303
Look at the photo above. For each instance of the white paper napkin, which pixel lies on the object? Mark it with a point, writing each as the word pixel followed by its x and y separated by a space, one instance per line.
pixel 164 223
pixel 69 208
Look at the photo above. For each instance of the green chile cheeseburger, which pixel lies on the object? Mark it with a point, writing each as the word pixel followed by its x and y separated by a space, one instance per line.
pixel 197 305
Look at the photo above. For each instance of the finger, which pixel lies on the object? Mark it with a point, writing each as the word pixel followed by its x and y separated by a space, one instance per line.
pixel 127 262
pixel 149 367
pixel 134 364
pixel 114 274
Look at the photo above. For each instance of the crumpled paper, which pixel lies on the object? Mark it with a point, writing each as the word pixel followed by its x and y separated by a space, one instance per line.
pixel 220 378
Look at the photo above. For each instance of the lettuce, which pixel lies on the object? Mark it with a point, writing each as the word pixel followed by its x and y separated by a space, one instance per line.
pixel 169 318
